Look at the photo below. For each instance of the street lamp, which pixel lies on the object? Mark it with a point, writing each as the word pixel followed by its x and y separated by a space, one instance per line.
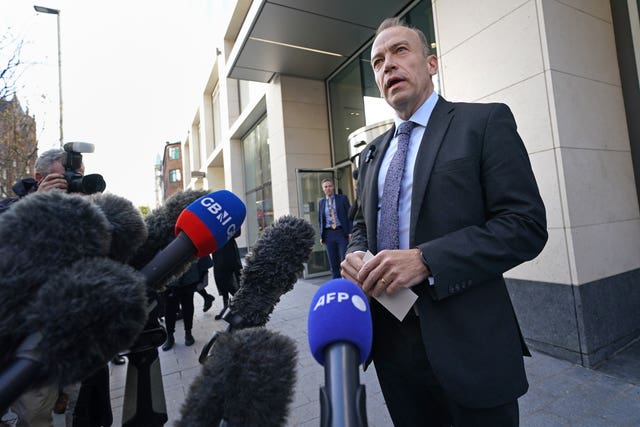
pixel 56 12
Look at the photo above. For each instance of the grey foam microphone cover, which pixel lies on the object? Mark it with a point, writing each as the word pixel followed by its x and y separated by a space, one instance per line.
pixel 40 235
pixel 128 229
pixel 86 313
pixel 248 380
pixel 271 269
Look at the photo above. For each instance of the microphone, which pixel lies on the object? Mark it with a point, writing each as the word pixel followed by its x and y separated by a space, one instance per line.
pixel 371 154
pixel 247 381
pixel 79 319
pixel 128 229
pixel 160 225
pixel 202 227
pixel 340 337
pixel 40 235
pixel 271 269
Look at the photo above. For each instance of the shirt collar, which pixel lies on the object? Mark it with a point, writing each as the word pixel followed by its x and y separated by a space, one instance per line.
pixel 422 114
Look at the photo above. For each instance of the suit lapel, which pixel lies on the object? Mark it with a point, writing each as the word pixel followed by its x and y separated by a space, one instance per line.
pixel 434 134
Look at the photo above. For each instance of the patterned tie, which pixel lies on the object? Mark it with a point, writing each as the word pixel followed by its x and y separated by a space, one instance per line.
pixel 332 214
pixel 388 231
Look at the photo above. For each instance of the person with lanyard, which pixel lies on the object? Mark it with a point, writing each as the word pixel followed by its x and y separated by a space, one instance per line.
pixel 334 225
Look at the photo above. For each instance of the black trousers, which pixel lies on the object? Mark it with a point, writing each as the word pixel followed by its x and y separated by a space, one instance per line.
pixel 93 407
pixel 179 297
pixel 412 392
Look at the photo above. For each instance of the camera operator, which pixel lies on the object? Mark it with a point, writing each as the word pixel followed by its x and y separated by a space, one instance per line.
pixel 50 171
pixel 60 169
pixel 49 175
pixel 55 169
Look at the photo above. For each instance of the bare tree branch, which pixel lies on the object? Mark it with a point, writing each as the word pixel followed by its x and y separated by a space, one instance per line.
pixel 18 144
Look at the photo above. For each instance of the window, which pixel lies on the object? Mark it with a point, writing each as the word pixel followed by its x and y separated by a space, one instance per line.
pixel 217 125
pixel 174 153
pixel 175 175
pixel 257 169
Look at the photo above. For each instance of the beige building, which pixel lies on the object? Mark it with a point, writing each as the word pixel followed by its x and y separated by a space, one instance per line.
pixel 291 97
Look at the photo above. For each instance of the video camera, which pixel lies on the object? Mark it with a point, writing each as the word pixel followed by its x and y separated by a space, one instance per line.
pixel 72 161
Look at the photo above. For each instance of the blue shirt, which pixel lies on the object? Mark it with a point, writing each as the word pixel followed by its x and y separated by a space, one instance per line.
pixel 421 118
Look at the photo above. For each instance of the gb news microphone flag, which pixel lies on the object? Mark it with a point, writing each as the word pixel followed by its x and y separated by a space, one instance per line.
pixel 212 220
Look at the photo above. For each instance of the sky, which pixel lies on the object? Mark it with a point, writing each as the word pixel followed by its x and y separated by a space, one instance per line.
pixel 132 75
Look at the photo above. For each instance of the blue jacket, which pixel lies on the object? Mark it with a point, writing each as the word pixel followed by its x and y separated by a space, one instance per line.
pixel 342 210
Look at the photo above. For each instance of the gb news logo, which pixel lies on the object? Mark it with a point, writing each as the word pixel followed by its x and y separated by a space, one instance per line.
pixel 220 214
pixel 340 297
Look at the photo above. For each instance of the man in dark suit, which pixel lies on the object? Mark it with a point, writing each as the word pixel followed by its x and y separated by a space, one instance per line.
pixel 459 208
pixel 334 225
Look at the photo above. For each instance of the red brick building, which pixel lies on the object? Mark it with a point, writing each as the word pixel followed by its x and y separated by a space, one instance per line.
pixel 18 145
pixel 172 179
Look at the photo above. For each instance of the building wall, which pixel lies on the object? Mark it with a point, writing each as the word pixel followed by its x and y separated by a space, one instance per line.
pixel 298 136
pixel 554 63
pixel 18 145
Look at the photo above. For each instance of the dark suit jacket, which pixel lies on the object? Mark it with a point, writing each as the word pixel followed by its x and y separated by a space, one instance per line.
pixel 342 210
pixel 475 212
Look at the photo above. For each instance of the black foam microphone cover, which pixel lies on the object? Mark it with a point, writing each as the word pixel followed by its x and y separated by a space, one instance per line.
pixel 128 229
pixel 86 313
pixel 248 380
pixel 161 224
pixel 272 267
pixel 40 235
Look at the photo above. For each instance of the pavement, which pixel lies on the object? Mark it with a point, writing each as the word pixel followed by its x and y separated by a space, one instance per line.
pixel 560 393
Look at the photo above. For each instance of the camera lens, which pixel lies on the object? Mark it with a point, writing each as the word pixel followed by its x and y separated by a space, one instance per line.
pixel 93 183
pixel 88 184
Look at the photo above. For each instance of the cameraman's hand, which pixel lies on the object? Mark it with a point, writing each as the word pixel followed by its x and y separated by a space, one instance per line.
pixel 53 181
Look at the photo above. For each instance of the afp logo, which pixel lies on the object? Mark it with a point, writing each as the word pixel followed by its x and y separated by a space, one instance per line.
pixel 340 297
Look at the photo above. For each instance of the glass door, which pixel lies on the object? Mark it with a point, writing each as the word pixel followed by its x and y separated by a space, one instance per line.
pixel 309 192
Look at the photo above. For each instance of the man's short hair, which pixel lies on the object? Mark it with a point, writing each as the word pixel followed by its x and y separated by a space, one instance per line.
pixel 397 22
pixel 326 180
pixel 46 159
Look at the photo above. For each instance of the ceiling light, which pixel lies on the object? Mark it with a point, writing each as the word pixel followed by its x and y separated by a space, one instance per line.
pixel 324 52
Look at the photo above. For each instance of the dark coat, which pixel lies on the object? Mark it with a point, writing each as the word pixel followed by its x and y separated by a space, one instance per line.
pixel 21 188
pixel 476 212
pixel 194 274
pixel 226 268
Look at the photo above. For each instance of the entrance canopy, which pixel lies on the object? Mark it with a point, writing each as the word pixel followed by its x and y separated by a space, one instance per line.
pixel 305 38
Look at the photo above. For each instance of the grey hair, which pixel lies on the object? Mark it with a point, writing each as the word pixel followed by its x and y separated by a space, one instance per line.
pixel 397 22
pixel 46 159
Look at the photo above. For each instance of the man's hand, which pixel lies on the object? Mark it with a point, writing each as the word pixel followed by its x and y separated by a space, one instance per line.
pixel 391 270
pixel 53 181
pixel 351 266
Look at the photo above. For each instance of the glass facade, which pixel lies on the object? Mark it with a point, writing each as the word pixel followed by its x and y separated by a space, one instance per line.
pixel 257 175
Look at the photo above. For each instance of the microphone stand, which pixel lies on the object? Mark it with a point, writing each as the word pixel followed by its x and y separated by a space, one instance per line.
pixel 21 373
pixel 235 322
pixel 144 401
pixel 342 382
